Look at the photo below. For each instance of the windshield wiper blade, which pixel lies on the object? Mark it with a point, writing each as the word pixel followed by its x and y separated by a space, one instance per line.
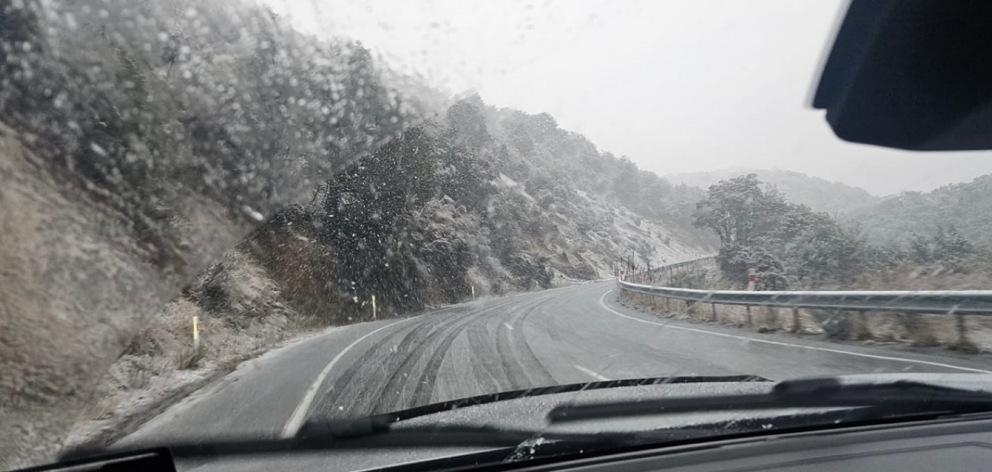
pixel 329 437
pixel 380 421
pixel 874 399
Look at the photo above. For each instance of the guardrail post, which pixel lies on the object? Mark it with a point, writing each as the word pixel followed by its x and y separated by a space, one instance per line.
pixel 771 318
pixel 796 324
pixel 713 311
pixel 748 308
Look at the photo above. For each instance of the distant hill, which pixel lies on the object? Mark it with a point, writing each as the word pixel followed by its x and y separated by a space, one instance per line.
pixel 967 206
pixel 818 194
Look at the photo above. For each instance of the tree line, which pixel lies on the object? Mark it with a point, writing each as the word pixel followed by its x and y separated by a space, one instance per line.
pixel 792 247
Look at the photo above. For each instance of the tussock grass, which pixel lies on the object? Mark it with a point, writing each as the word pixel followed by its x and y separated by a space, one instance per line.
pixel 190 358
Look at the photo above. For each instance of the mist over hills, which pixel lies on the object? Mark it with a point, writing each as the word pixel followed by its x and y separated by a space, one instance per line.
pixel 819 194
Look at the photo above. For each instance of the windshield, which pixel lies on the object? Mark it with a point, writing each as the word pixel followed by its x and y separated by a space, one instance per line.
pixel 231 218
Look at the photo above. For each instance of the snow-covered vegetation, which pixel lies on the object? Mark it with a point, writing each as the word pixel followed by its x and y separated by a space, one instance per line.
pixel 792 247
pixel 142 140
pixel 819 194
pixel 492 199
pixel 965 206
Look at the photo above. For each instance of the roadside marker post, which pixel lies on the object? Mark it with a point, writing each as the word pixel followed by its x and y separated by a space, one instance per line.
pixel 373 307
pixel 196 333
pixel 473 293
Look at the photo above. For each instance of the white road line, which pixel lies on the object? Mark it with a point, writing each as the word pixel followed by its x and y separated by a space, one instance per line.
pixel 299 414
pixel 508 326
pixel 590 373
pixel 779 343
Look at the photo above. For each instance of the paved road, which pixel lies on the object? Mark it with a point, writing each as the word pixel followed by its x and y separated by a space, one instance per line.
pixel 567 335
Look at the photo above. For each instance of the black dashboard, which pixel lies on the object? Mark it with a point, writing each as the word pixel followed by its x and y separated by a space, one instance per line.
pixel 942 445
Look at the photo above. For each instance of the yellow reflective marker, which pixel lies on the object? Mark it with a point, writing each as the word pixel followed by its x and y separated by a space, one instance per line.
pixel 196 332
pixel 373 307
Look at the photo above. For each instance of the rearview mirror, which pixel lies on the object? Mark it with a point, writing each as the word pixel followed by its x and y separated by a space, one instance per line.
pixel 911 74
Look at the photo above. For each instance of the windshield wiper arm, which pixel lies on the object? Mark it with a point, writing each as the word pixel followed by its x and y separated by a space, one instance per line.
pixel 876 399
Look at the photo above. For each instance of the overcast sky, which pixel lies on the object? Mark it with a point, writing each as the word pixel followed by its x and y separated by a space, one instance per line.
pixel 676 85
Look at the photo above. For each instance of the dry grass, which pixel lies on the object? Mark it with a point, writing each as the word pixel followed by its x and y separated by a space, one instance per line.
pixel 139 378
pixel 144 343
pixel 190 358
pixel 926 278
pixel 300 268
pixel 965 344
pixel 161 361
pixel 921 330
pixel 102 409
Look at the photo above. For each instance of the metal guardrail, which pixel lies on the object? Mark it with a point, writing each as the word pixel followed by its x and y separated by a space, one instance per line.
pixel 680 265
pixel 671 269
pixel 961 302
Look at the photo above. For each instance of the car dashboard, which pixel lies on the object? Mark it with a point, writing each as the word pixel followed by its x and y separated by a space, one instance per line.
pixel 941 445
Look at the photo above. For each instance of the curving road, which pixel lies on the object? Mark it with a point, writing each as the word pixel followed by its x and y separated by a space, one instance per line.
pixel 566 335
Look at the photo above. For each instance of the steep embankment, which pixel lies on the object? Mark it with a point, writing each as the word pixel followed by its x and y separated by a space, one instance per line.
pixel 139 142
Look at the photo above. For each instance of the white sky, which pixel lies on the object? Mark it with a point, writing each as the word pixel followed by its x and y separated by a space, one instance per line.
pixel 676 85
